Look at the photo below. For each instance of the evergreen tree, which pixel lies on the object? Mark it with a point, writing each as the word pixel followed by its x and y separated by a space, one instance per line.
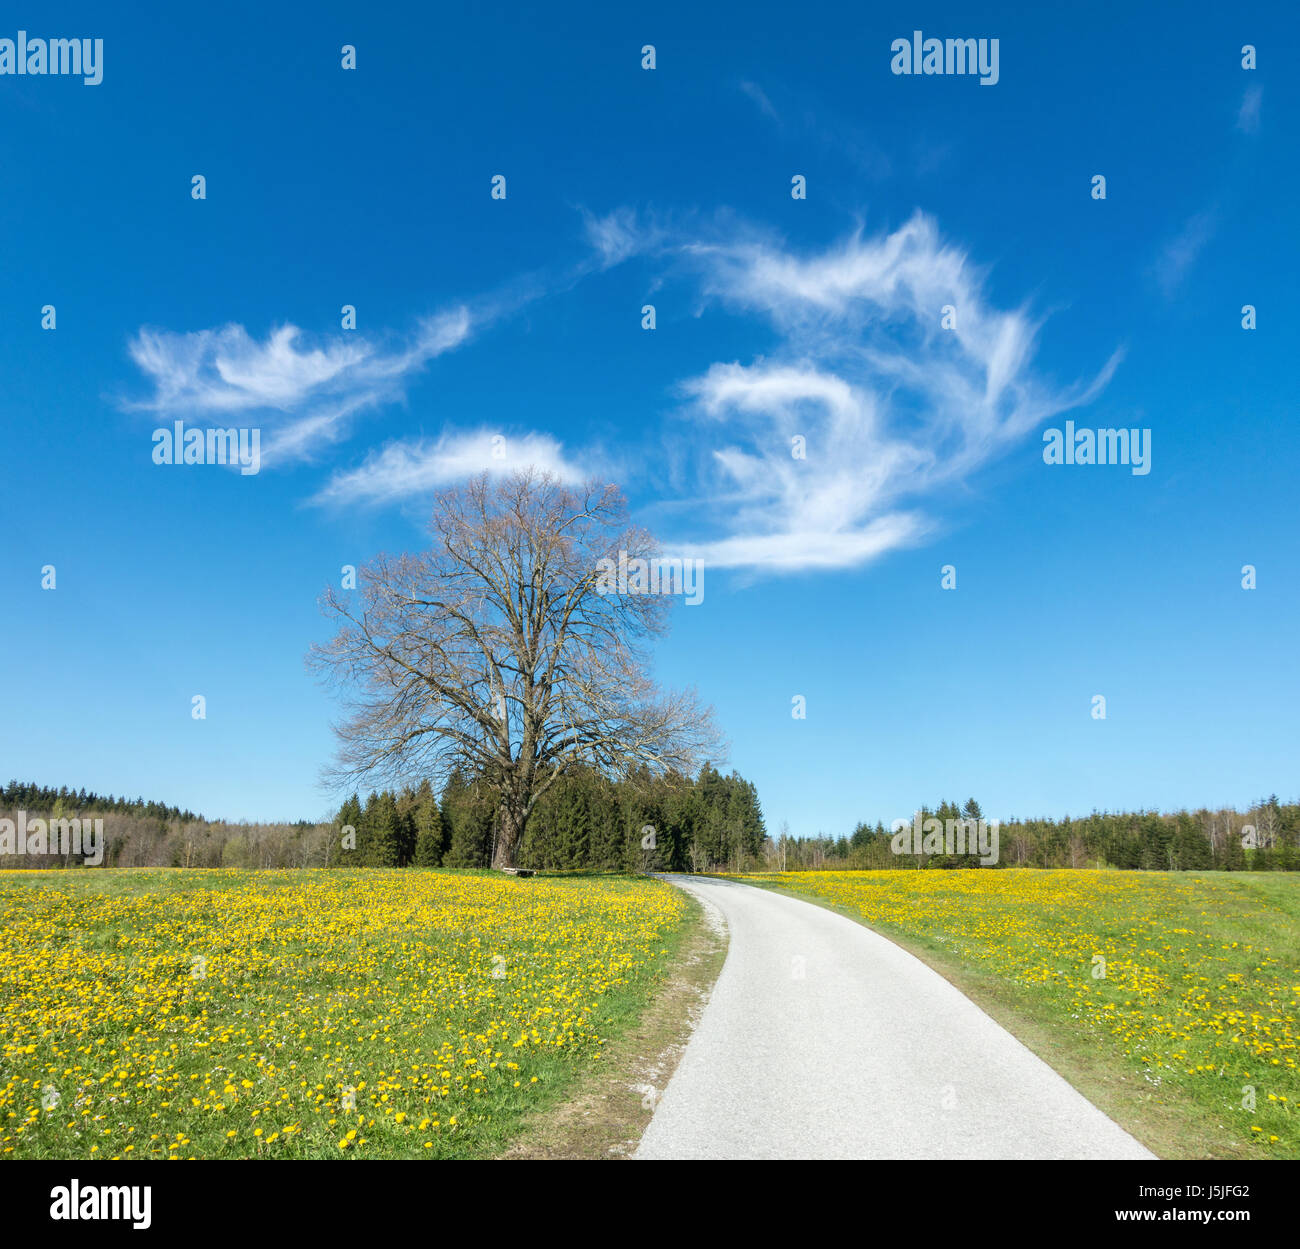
pixel 468 811
pixel 365 852
pixel 384 832
pixel 349 816
pixel 426 819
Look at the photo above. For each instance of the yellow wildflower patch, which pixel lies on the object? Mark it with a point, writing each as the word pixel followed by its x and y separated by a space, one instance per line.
pixel 300 1013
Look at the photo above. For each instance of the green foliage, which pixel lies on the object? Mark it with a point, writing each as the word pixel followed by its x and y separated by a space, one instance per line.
pixel 426 820
pixel 584 821
pixel 467 812
pixel 1144 840
pixel 28 796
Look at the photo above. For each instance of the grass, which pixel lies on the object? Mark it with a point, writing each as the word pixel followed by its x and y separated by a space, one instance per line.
pixel 312 1014
pixel 1170 1000
pixel 610 1110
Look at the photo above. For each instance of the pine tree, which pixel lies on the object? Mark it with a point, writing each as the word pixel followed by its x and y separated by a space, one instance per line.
pixel 349 816
pixel 973 814
pixel 573 828
pixel 386 833
pixel 365 852
pixel 469 813
pixel 427 820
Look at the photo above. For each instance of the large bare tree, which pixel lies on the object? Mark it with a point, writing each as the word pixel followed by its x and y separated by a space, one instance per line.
pixel 500 650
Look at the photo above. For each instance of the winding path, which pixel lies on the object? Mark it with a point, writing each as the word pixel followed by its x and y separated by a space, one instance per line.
pixel 822 1039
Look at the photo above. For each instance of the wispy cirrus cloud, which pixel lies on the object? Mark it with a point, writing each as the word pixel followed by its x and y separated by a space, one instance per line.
pixel 1248 113
pixel 618 236
pixel 803 120
pixel 1181 252
pixel 759 96
pixel 305 389
pixel 887 406
pixel 412 468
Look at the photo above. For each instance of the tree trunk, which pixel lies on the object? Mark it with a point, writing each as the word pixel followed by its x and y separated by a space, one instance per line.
pixel 510 832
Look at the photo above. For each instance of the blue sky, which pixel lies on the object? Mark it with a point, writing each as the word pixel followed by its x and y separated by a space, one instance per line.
pixel 775 316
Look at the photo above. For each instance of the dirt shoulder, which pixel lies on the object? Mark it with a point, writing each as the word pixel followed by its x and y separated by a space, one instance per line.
pixel 606 1116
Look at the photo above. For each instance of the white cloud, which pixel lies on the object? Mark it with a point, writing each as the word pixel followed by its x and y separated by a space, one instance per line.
pixel 891 406
pixel 814 550
pixel 1248 113
pixel 1180 253
pixel 411 468
pixel 305 392
pixel 893 409
pixel 759 96
pixel 617 236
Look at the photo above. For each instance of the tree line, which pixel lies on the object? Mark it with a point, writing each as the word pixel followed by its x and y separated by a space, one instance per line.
pixel 1264 837
pixel 27 796
pixel 140 833
pixel 585 820
pixel 709 823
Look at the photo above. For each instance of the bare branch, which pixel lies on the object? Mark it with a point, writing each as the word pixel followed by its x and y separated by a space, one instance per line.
pixel 500 652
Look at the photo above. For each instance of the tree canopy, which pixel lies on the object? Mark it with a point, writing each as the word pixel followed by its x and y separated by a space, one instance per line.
pixel 500 653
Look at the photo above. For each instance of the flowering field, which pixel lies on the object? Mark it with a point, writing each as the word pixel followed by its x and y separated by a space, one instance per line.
pixel 1185 985
pixel 209 1014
